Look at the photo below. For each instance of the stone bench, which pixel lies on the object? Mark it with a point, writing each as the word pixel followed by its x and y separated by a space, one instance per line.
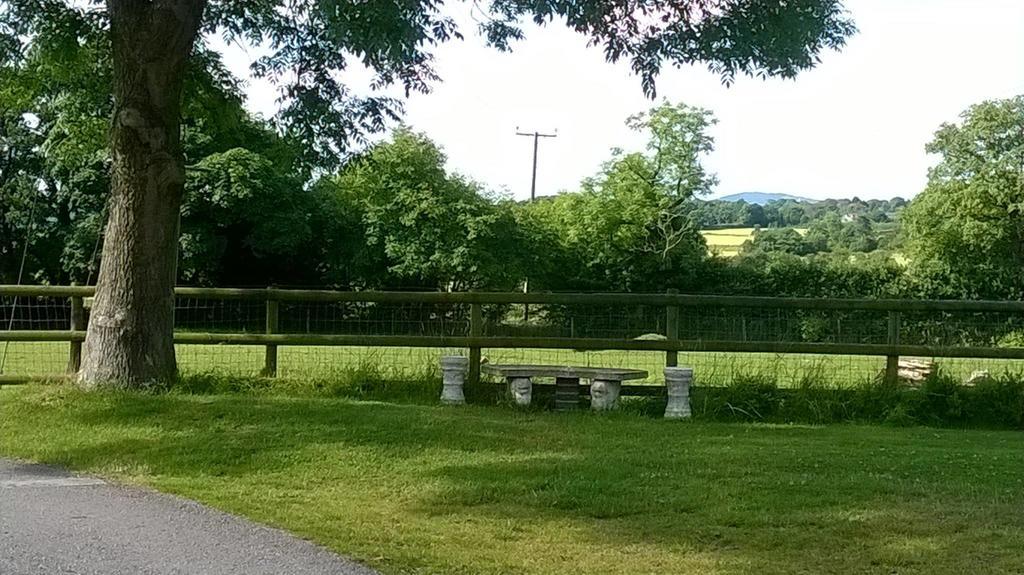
pixel 605 383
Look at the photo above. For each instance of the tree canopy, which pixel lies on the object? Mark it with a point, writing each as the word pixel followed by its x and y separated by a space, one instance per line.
pixel 151 52
pixel 633 219
pixel 968 223
pixel 422 224
pixel 304 45
pixel 55 137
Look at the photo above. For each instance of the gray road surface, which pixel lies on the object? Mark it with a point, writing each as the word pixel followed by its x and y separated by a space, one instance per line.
pixel 53 522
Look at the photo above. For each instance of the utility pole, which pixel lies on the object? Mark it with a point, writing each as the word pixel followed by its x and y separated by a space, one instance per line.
pixel 536 138
pixel 533 196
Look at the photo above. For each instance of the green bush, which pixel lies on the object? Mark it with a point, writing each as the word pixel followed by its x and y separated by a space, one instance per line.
pixel 1011 339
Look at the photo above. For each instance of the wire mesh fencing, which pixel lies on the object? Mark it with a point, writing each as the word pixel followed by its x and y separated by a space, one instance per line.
pixel 374 318
pixel 573 321
pixel 218 315
pixel 354 318
pixel 754 325
pixel 962 328
pixel 723 339
pixel 34 312
pixel 31 313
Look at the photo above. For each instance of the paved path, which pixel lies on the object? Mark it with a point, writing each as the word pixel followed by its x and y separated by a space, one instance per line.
pixel 53 522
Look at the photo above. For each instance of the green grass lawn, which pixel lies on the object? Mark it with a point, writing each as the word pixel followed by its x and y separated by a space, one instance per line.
pixel 419 363
pixel 424 489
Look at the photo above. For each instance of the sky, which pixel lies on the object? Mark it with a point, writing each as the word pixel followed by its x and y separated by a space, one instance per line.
pixel 856 125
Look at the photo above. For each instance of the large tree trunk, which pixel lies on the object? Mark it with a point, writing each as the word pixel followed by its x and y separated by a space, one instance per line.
pixel 129 341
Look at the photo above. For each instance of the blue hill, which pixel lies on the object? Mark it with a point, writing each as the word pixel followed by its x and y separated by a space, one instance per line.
pixel 761 198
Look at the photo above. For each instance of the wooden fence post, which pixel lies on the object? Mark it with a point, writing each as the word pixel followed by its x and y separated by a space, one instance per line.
pixel 77 324
pixel 672 330
pixel 270 357
pixel 476 329
pixel 892 361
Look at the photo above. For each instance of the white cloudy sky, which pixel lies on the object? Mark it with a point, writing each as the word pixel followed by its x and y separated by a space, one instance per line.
pixel 856 125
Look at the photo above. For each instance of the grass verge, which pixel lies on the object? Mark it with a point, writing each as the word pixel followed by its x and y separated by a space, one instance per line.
pixel 424 489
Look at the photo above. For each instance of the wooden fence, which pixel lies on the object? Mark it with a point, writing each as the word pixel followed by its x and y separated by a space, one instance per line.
pixel 475 339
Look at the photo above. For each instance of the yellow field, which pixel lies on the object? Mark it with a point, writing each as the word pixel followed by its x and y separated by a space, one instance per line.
pixel 727 242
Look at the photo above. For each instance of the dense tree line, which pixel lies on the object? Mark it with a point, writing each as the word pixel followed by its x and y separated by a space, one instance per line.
pixel 391 217
pixel 829 235
pixel 794 213
pixel 256 212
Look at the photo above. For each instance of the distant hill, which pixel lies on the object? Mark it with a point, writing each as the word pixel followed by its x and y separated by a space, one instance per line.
pixel 761 198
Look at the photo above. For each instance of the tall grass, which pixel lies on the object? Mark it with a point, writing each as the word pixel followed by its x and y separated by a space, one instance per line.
pixel 941 400
pixel 369 379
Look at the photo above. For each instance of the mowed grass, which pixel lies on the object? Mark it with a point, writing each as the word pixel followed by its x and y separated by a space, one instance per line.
pixel 478 490
pixel 727 242
pixel 422 363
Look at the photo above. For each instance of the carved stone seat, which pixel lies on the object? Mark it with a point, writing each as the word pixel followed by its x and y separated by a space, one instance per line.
pixel 605 383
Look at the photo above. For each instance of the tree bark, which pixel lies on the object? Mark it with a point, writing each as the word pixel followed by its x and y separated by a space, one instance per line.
pixel 130 336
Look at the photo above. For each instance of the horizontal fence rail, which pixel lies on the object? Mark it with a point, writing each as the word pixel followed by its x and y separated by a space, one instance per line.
pixel 589 344
pixel 669 323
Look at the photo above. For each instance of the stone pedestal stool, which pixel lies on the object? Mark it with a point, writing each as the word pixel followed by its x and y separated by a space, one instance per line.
pixel 453 372
pixel 604 394
pixel 521 390
pixel 677 381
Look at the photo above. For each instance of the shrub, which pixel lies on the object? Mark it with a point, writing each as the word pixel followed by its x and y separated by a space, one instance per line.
pixel 1011 339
